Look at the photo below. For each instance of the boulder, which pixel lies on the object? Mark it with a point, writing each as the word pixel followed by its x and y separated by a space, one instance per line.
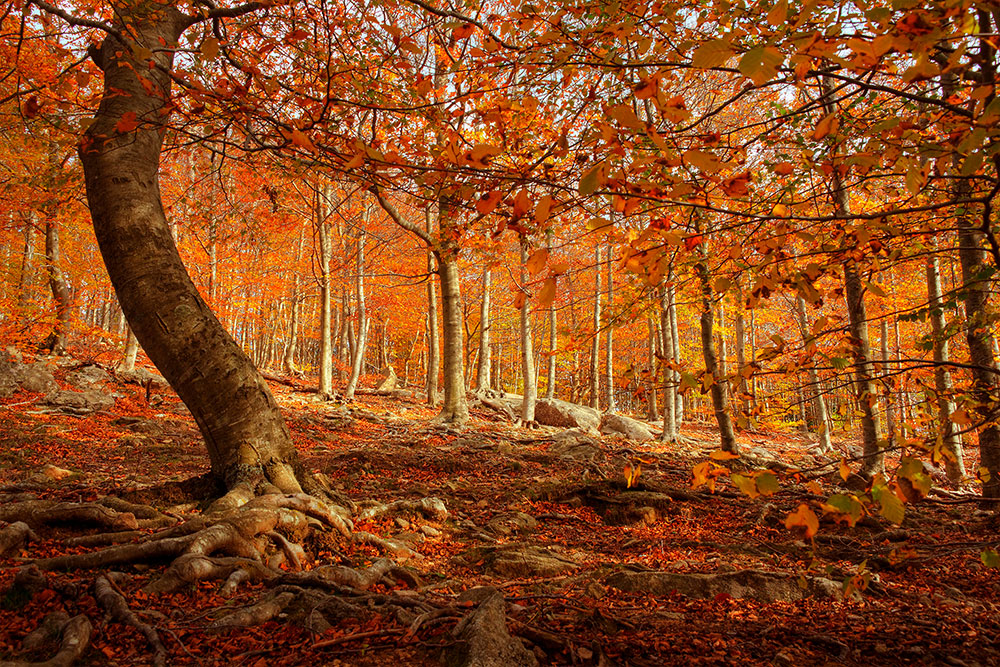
pixel 389 382
pixel 742 584
pixel 484 641
pixel 553 412
pixel 631 429
pixel 87 377
pixel 141 376
pixel 79 402
pixel 29 377
pixel 575 444
pixel 518 561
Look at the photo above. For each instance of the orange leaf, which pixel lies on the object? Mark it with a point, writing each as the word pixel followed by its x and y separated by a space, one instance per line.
pixel 128 122
pixel 547 294
pixel 804 518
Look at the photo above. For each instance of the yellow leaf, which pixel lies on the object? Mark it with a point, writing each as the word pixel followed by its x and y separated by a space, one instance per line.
pixel 712 54
pixel 558 268
pixel 543 209
pixel 720 455
pixel 706 162
pixel 845 470
pixel 778 13
pixel 779 211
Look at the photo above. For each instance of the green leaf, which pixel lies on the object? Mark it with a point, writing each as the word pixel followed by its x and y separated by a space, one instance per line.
pixel 847 505
pixel 589 181
pixel 712 54
pixel 767 484
pixel 840 363
pixel 990 558
pixel 745 484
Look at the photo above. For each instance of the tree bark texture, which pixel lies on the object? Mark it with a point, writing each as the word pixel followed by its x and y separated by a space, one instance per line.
pixel 530 392
pixel 247 439
pixel 62 295
pixel 485 327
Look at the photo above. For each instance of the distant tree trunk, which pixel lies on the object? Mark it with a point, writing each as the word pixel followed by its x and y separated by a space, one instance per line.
pixel 527 350
pixel 669 381
pixel 433 341
pixel 320 213
pixel 857 321
pixel 741 362
pixel 609 339
pixel 27 276
pixel 357 363
pixel 675 337
pixel 595 348
pixel 652 408
pixel 888 381
pixel 550 376
pixel 455 407
pixel 288 358
pixel 819 404
pixel 61 293
pixel 485 327
pixel 951 441
pixel 131 351
pixel 719 388
pixel 248 442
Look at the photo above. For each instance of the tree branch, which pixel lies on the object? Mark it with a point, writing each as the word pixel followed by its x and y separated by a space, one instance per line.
pixel 74 20
pixel 398 218
pixel 449 14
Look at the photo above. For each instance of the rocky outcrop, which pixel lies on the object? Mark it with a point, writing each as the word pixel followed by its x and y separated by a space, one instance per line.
pixel 631 429
pixel 553 412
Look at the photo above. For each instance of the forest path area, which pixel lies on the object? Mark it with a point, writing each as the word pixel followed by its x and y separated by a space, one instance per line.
pixel 596 565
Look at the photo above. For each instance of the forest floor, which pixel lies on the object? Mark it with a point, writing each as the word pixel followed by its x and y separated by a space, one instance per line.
pixel 555 528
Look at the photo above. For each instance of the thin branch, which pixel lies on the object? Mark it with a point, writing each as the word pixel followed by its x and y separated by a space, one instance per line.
pixel 398 218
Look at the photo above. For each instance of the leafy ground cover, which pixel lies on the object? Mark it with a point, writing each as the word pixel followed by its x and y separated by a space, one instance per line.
pixel 582 552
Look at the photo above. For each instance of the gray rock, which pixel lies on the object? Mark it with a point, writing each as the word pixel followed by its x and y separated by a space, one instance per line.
pixel 519 561
pixel 389 382
pixel 630 428
pixel 483 639
pixel 512 522
pixel 752 584
pixel 142 376
pixel 87 377
pixel 79 402
pixel 553 412
pixel 29 377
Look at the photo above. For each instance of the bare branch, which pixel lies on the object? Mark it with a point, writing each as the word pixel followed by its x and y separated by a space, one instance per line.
pixel 398 218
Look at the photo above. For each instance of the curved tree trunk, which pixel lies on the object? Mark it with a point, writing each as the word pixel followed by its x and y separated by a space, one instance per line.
pixel 248 441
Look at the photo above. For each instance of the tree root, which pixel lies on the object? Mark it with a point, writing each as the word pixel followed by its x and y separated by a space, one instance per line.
pixel 117 608
pixel 431 507
pixel 37 513
pixel 74 637
pixel 14 537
